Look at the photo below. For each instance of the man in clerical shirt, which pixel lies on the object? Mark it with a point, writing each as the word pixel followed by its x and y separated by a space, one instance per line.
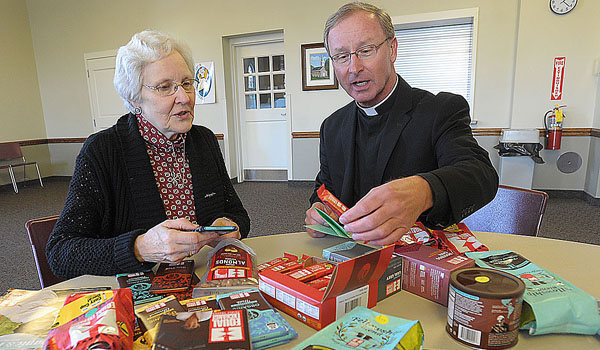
pixel 395 154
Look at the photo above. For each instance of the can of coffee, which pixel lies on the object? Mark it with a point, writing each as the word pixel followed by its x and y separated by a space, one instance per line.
pixel 484 307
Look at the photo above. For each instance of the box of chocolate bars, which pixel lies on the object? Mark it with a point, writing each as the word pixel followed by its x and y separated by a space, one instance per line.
pixel 390 282
pixel 426 270
pixel 309 295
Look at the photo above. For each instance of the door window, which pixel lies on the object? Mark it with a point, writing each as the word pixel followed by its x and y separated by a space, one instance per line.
pixel 264 82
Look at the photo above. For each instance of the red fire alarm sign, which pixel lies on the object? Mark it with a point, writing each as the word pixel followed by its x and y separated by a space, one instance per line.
pixel 557 78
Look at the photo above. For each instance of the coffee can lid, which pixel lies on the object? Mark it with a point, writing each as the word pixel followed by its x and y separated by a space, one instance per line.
pixel 487 283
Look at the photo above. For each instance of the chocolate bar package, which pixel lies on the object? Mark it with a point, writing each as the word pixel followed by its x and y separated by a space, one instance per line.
pixel 345 251
pixel 312 272
pixel 150 314
pixel 288 266
pixel 275 262
pixel 207 303
pixel 551 304
pixel 362 328
pixel 139 283
pixel 188 293
pixel 171 278
pixel 331 201
pixel 203 330
pixel 320 283
pixel 267 326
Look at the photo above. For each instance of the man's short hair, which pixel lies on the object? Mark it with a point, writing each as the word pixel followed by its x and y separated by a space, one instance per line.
pixel 346 10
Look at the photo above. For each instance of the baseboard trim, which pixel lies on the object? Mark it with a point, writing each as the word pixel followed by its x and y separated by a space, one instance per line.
pixel 265 175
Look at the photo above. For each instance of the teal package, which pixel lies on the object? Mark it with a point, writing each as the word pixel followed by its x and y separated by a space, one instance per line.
pixel 552 304
pixel 363 328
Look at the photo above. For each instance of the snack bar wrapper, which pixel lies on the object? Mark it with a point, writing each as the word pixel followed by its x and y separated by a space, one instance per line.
pixel 98 320
pixel 331 201
pixel 458 239
pixel 231 266
pixel 416 234
pixel 551 304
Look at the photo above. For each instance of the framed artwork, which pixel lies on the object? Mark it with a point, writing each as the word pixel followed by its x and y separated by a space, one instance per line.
pixel 205 74
pixel 317 68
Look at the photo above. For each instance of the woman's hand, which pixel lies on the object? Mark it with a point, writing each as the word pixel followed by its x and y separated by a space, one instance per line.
pixel 171 241
pixel 225 222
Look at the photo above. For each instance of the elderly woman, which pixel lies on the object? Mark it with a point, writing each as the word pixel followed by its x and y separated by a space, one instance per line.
pixel 141 187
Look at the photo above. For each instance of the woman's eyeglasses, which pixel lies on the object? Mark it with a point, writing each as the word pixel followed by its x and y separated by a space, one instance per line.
pixel 169 88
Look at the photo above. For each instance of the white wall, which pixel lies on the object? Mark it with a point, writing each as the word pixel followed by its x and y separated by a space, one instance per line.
pixel 517 41
pixel 542 37
pixel 21 117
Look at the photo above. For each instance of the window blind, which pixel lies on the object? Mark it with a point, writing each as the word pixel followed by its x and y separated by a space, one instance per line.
pixel 437 58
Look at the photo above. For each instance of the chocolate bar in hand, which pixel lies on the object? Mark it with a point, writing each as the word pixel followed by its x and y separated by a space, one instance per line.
pixel 331 201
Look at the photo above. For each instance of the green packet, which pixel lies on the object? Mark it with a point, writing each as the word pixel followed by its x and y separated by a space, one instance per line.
pixel 551 304
pixel 334 228
pixel 363 328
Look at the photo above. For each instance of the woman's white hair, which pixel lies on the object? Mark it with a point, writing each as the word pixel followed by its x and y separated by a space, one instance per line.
pixel 144 48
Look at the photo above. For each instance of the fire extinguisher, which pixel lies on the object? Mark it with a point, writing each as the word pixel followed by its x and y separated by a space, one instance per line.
pixel 553 124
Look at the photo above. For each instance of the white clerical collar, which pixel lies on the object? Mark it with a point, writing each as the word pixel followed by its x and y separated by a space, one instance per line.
pixel 370 111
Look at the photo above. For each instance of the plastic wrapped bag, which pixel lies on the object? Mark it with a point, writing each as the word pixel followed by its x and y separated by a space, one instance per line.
pixel 99 320
pixel 231 266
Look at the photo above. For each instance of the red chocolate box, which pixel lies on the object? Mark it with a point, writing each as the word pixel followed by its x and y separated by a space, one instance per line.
pixel 353 283
pixel 426 270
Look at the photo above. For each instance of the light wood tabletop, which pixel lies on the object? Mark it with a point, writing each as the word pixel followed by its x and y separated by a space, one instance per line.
pixel 578 263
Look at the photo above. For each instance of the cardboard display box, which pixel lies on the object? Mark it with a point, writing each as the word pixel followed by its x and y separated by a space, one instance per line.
pixel 390 282
pixel 353 283
pixel 426 270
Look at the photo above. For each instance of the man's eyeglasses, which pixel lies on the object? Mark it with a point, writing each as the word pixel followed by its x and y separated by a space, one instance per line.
pixel 168 88
pixel 363 52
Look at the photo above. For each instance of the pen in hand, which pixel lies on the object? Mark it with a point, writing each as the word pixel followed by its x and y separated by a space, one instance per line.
pixel 219 229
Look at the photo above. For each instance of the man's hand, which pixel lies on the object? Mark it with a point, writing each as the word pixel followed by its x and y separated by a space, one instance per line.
pixel 388 211
pixel 170 241
pixel 313 218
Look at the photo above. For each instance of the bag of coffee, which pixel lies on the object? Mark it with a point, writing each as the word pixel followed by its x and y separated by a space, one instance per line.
pixel 551 304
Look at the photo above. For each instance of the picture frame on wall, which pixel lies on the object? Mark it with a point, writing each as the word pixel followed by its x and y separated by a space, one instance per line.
pixel 317 68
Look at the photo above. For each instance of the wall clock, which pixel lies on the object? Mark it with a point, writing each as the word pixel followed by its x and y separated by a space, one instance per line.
pixel 562 7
